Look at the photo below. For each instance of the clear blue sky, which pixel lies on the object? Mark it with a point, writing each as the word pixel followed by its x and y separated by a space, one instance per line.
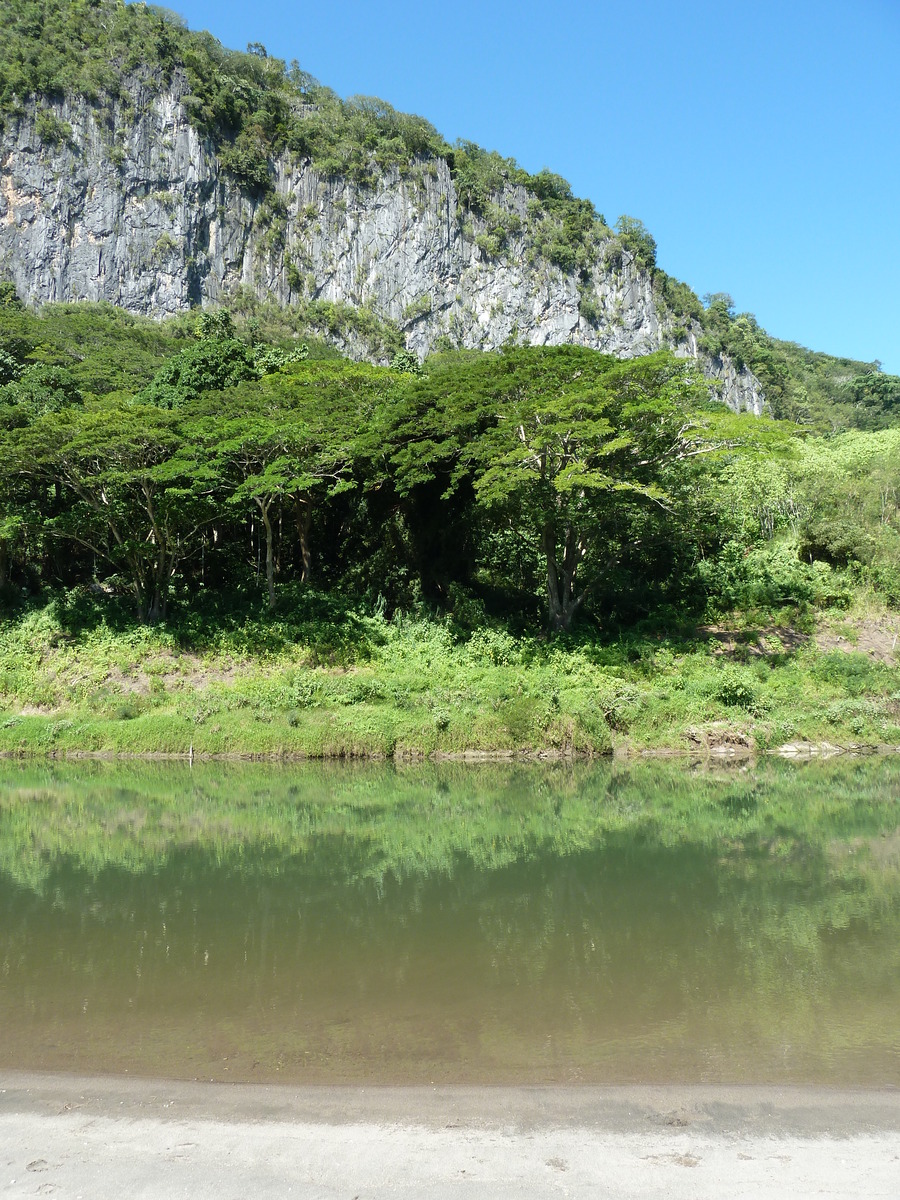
pixel 758 141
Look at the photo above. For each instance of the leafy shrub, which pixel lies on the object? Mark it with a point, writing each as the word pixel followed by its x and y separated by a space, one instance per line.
pixel 9 298
pixel 38 390
pixel 420 307
pixel 519 716
pixel 209 365
pixel 735 688
pixel 678 297
pixel 127 709
pixel 247 160
pixel 10 368
pixel 406 363
pixel 589 308
pixel 493 646
pixel 766 575
pixel 215 324
pixel 293 274
pixel 489 244
pixel 852 672
pixel 589 716
pixel 267 360
pixel 51 129
pixel 634 237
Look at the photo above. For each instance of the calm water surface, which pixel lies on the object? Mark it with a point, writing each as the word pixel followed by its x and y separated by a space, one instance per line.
pixel 479 924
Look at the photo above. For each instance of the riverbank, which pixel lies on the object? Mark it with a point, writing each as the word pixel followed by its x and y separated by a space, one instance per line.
pixel 794 751
pixel 341 685
pixel 108 1137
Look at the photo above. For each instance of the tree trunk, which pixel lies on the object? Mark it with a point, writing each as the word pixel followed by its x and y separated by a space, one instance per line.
pixel 304 519
pixel 563 601
pixel 157 610
pixel 140 589
pixel 163 572
pixel 270 552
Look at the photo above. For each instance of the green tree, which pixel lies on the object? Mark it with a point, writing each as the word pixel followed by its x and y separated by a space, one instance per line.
pixel 563 438
pixel 9 297
pixel 292 440
pixel 875 397
pixel 211 364
pixel 849 489
pixel 36 390
pixel 636 238
pixel 137 487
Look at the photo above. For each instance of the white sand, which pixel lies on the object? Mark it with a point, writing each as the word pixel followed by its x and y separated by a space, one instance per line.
pixel 112 1139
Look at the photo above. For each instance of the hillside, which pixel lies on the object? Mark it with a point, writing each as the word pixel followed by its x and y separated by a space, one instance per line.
pixel 319 436
pixel 145 165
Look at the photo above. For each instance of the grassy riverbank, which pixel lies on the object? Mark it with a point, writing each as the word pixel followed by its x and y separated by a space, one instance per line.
pixel 323 680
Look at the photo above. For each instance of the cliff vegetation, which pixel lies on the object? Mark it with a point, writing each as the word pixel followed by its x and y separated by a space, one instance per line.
pixel 258 117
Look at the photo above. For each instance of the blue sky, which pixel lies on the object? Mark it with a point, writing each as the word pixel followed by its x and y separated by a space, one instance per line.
pixel 758 141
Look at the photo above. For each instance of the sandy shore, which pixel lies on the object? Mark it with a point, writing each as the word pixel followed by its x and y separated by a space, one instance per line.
pixel 114 1138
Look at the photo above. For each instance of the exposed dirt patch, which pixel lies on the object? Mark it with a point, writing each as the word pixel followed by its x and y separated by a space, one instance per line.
pixel 762 641
pixel 877 637
pixel 129 683
pixel 186 672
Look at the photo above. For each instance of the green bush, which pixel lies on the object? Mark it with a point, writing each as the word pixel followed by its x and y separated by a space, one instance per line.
pixel 634 237
pixel 51 129
pixel 420 307
pixel 851 672
pixel 735 688
pixel 762 576
pixel 589 308
pixel 247 160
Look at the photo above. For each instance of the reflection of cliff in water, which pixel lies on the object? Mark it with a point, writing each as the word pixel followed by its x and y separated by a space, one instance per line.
pixel 502 923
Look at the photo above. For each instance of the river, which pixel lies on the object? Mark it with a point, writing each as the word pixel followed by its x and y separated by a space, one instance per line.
pixel 535 923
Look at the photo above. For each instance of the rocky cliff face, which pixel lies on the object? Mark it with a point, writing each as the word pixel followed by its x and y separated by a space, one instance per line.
pixel 129 205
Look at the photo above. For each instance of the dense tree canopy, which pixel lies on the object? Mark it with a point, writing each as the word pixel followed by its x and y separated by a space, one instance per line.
pixel 538 484
pixel 560 441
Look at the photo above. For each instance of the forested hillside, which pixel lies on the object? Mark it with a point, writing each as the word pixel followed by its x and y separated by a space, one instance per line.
pixel 215 535
pixel 349 532
pixel 282 189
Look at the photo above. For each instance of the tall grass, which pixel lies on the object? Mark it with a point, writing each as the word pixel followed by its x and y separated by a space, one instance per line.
pixel 325 681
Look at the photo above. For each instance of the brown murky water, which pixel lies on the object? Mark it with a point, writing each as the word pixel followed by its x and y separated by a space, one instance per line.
pixel 502 924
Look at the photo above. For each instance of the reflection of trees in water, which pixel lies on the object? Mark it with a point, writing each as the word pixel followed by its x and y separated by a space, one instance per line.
pixel 374 822
pixel 638 940
pixel 614 911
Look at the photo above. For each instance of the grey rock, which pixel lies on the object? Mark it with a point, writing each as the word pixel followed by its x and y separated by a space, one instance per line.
pixel 134 209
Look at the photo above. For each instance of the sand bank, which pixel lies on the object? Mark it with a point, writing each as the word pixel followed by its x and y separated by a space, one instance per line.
pixel 103 1137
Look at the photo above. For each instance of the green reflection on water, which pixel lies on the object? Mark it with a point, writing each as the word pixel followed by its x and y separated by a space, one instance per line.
pixel 502 923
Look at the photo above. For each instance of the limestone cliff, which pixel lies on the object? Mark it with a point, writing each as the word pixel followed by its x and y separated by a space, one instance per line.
pixel 129 204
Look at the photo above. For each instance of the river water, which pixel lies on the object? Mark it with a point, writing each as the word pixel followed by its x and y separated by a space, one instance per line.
pixel 497 923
